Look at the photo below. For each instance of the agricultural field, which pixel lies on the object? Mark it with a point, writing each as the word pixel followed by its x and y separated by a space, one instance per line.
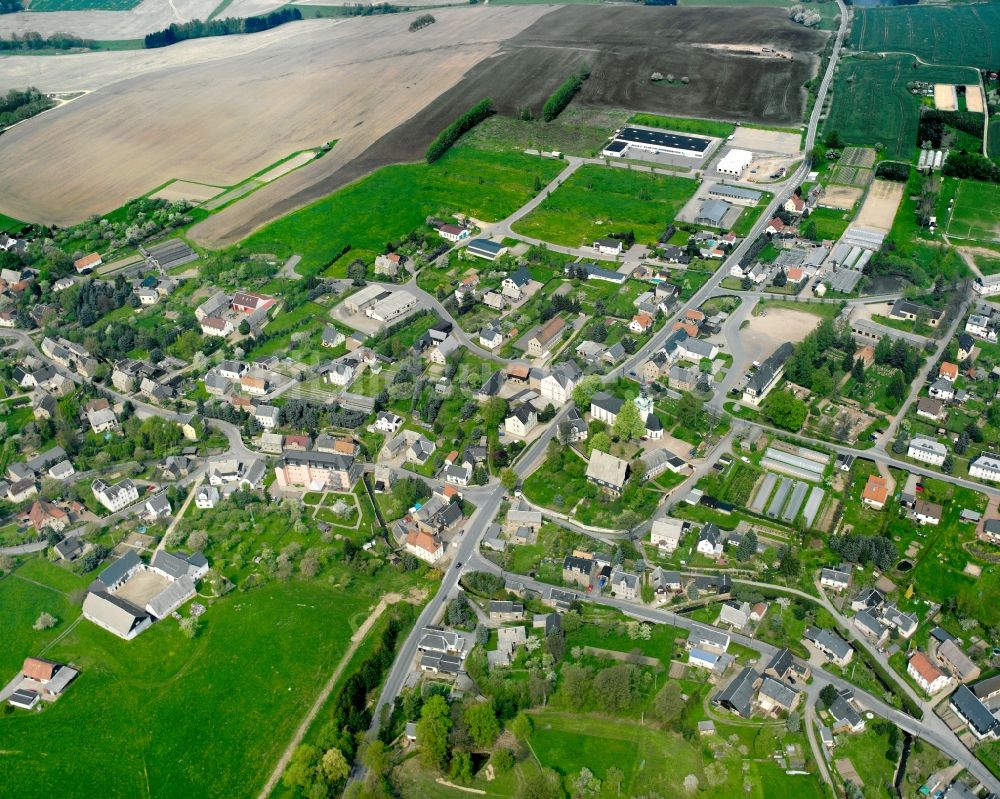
pixel 524 55
pixel 871 104
pixel 486 185
pixel 355 100
pixel 955 34
pixel 597 201
pixel 83 5
pixel 576 131
pixel 976 214
pixel 164 704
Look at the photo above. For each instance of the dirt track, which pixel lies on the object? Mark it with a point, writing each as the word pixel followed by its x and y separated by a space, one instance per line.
pixel 215 111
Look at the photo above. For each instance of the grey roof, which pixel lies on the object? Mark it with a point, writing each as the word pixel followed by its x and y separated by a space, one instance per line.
pixel 766 372
pixel 607 469
pixel 701 634
pixel 781 662
pixel 843 713
pixel 738 695
pixel 117 613
pixel 828 640
pixel 46 459
pixel 179 591
pixel 573 563
pixel 869 623
pixel 836 575
pixel 114 572
pixel 486 246
pixel 714 211
pixel 967 704
pixel 607 402
pixel 69 548
pixel 520 278
pixel 778 692
pixel 175 565
pixel 988 687
pixel 733 191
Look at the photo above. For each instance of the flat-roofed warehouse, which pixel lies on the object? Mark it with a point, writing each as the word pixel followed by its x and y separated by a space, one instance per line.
pixel 656 141
pixel 734 194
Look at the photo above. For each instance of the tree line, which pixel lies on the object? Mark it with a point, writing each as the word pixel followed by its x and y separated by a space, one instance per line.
pixel 451 134
pixel 561 97
pixel 32 40
pixel 10 6
pixel 199 29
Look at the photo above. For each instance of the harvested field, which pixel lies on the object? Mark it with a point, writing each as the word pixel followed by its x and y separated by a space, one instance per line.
pixel 945 97
pixel 974 99
pixel 309 82
pixel 840 197
pixel 879 208
pixel 186 190
pixel 298 86
pixel 124 23
pixel 767 141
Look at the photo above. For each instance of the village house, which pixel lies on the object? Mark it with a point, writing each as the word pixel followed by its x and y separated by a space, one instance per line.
pixel 875 492
pixel 837 579
pixel 926 674
pixel 115 497
pixel 836 649
pixel 666 533
pixel 425 546
pixel 607 471
pixel 577 570
pixel 522 421
pixel 514 285
pixel 927 450
pixel 985 466
pixel 548 336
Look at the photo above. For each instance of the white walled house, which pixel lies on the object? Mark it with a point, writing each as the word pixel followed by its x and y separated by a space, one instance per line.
pixel 115 497
pixel 927 450
pixel 985 467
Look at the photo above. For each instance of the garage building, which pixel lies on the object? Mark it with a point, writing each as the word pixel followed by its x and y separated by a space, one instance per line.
pixel 735 162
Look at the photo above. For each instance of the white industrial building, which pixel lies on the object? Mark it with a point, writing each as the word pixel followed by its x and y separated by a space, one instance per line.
pixel 734 163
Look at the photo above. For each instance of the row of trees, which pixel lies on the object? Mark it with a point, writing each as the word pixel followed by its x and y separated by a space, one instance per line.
pixel 198 29
pixel 971 165
pixel 451 134
pixel 422 22
pixel 561 97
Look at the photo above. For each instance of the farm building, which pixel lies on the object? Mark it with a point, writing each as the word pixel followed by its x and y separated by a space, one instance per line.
pixel 734 163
